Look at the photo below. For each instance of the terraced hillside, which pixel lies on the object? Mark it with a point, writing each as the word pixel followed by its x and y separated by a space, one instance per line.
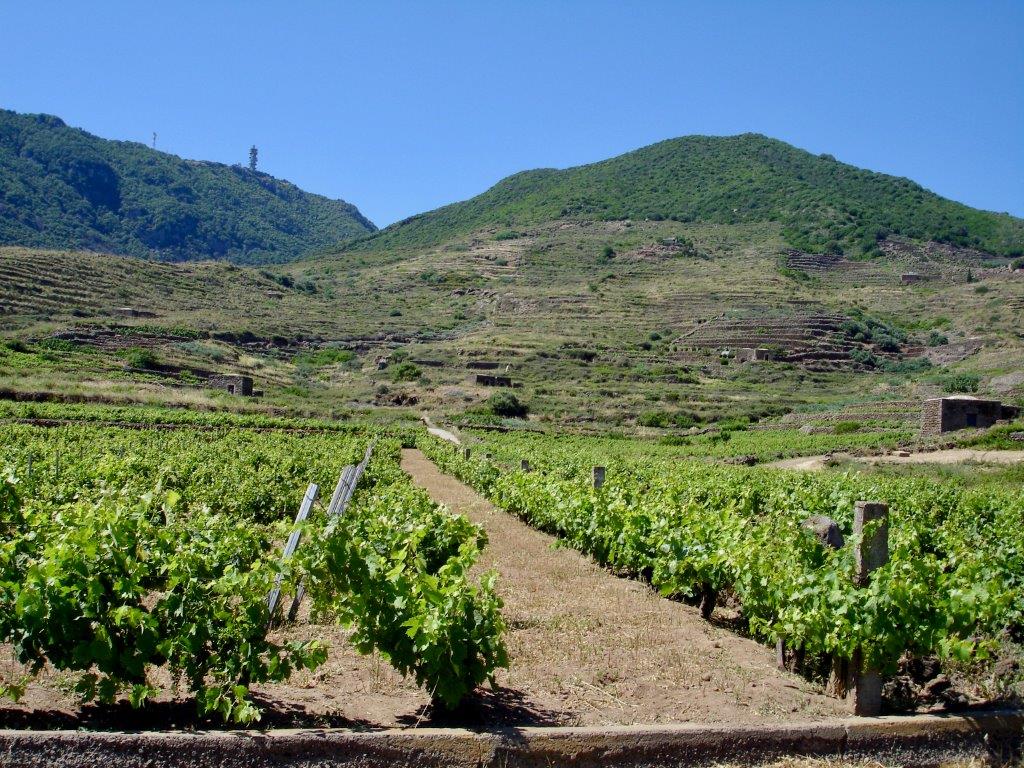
pixel 632 293
pixel 595 323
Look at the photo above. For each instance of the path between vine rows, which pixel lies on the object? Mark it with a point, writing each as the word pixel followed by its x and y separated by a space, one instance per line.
pixel 590 648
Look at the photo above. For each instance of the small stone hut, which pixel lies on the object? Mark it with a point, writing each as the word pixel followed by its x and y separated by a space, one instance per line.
pixel 947 414
pixel 751 354
pixel 233 384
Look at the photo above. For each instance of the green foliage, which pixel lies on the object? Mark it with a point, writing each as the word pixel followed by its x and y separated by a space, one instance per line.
pixel 821 204
pixel 397 574
pixel 961 382
pixel 911 365
pixel 124 550
pixel 319 358
pixel 884 336
pixel 954 582
pixel 406 372
pixel 64 188
pixel 846 427
pixel 937 339
pixel 76 589
pixel 139 357
pixel 507 405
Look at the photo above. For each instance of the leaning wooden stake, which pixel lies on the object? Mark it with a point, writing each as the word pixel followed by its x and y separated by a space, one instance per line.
pixel 598 473
pixel 289 548
pixel 343 492
pixel 871 552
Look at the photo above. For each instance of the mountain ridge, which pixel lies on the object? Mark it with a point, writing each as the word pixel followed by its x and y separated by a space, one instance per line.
pixel 821 204
pixel 62 187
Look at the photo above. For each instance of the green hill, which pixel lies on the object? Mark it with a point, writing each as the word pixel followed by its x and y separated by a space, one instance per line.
pixel 821 205
pixel 61 187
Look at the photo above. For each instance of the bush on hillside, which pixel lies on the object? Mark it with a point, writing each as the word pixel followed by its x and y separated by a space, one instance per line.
pixel 507 405
pixel 139 357
pixel 961 382
pixel 406 372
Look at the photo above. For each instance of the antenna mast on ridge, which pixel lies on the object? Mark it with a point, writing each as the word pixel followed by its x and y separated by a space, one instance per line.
pixel 253 152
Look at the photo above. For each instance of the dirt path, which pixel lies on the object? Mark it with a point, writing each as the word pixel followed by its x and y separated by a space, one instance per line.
pixel 590 648
pixel 949 456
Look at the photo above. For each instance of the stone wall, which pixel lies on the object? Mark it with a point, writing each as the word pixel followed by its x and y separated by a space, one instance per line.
pixel 486 380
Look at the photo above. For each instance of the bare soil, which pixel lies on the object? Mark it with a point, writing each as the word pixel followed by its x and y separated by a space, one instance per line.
pixel 949 456
pixel 587 648
pixel 595 649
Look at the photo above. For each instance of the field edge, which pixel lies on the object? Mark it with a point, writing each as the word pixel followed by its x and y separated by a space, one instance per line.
pixel 905 740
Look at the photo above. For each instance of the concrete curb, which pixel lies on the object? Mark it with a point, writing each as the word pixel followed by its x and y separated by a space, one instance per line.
pixel 913 740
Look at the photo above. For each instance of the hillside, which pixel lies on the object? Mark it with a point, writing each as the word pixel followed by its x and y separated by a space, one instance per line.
pixel 61 187
pixel 821 205
pixel 600 321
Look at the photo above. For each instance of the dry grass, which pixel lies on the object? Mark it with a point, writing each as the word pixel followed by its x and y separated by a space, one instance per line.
pixel 595 649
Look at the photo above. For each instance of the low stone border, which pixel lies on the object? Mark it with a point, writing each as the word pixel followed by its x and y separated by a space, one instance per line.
pixel 914 740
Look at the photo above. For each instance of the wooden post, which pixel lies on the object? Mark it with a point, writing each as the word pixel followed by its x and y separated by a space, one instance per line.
pixel 598 473
pixel 293 541
pixel 524 465
pixel 466 453
pixel 871 552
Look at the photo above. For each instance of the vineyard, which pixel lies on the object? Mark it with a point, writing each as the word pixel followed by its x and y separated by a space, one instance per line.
pixel 140 547
pixel 953 587
pixel 130 551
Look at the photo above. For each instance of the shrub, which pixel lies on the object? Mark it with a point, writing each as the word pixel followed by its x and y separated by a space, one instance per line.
pixel 911 365
pixel 407 372
pixel 139 357
pixel 58 345
pixel 846 427
pixel 936 339
pixel 961 382
pixel 325 356
pixel 586 355
pixel 652 419
pixel 507 405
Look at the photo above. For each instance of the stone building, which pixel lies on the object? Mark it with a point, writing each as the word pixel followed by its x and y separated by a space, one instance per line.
pixel 751 354
pixel 233 384
pixel 947 414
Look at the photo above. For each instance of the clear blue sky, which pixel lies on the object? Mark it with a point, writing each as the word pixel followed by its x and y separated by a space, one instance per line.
pixel 402 107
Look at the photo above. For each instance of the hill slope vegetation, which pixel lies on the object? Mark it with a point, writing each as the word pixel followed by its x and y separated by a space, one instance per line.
pixel 822 205
pixel 61 187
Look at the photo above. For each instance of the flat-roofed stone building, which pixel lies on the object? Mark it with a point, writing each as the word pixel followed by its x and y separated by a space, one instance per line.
pixel 947 414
